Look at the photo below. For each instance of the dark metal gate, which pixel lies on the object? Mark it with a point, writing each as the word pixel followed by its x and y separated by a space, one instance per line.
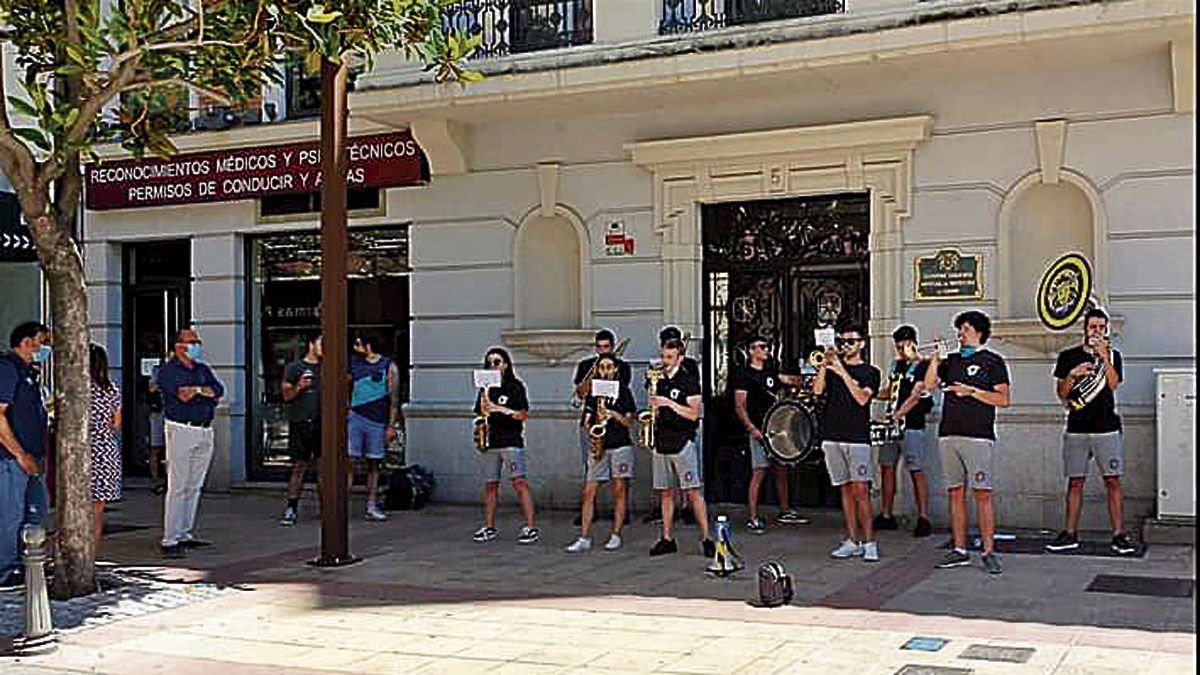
pixel 778 269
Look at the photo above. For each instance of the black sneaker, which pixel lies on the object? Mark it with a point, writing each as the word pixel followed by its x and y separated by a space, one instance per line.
pixel 756 526
pixel 1123 545
pixel 195 543
pixel 924 528
pixel 1065 541
pixel 883 522
pixel 175 551
pixel 485 534
pixel 15 581
pixel 529 535
pixel 790 517
pixel 955 558
pixel 710 548
pixel 663 547
pixel 991 562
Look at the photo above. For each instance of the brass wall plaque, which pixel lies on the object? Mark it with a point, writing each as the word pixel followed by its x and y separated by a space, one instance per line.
pixel 948 274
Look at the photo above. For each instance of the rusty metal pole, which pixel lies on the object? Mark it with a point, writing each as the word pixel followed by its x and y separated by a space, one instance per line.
pixel 335 517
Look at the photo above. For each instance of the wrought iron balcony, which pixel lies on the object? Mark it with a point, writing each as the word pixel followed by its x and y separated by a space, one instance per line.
pixel 688 16
pixel 517 26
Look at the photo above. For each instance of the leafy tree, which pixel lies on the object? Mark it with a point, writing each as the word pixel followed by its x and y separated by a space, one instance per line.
pixel 90 73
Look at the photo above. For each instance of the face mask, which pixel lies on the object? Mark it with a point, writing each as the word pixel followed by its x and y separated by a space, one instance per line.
pixel 967 352
pixel 42 355
pixel 195 352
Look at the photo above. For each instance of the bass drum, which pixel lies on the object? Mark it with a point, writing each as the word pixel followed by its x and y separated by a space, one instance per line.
pixel 790 432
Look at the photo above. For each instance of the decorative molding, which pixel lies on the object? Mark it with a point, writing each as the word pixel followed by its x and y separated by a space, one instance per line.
pixel 550 345
pixel 873 155
pixel 1183 75
pixel 1032 335
pixel 445 143
pixel 1051 136
pixel 547 174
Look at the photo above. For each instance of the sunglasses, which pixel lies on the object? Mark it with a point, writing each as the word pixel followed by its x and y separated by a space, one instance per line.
pixel 495 362
pixel 758 345
pixel 846 341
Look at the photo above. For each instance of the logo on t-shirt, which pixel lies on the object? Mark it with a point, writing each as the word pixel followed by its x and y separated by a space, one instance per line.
pixel 770 382
pixel 674 393
pixel 502 400
pixel 972 370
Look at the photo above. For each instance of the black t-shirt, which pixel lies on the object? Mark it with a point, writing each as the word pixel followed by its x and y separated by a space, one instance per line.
pixel 844 419
pixel 307 404
pixel 616 435
pixel 1099 416
pixel 672 432
pixel 624 373
pixel 909 374
pixel 505 431
pixel 760 385
pixel 964 415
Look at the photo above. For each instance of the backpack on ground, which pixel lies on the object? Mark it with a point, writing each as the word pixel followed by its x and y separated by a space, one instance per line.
pixel 409 488
pixel 774 585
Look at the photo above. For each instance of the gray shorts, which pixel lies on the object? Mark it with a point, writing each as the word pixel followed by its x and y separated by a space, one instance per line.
pixel 759 459
pixel 966 461
pixel 1079 449
pixel 913 448
pixel 848 462
pixel 509 462
pixel 677 471
pixel 617 462
pixel 585 449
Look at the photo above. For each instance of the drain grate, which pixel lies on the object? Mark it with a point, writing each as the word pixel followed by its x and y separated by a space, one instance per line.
pixel 1158 587
pixel 925 644
pixel 997 653
pixel 913 669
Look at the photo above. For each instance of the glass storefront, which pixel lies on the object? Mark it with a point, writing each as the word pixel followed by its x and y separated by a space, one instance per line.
pixel 284 306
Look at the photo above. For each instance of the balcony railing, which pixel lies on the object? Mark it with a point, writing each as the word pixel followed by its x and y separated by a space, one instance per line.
pixel 517 26
pixel 687 16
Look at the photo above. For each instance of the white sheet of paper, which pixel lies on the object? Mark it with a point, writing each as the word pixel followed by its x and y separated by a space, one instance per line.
pixel 606 388
pixel 146 366
pixel 825 336
pixel 485 379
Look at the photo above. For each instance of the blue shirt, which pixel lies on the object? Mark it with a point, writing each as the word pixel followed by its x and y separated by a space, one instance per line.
pixel 172 375
pixel 26 413
pixel 369 397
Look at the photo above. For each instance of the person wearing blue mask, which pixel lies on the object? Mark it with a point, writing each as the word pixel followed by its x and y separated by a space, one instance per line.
pixel 190 393
pixel 976 384
pixel 23 430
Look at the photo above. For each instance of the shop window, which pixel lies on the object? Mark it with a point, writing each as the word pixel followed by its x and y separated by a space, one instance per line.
pixel 549 273
pixel 1046 221
pixel 360 199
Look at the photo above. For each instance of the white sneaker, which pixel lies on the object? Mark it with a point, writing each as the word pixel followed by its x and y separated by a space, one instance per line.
pixel 580 545
pixel 614 542
pixel 847 549
pixel 871 551
pixel 375 514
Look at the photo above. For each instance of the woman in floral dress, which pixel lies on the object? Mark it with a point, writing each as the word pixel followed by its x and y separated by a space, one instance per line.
pixel 104 427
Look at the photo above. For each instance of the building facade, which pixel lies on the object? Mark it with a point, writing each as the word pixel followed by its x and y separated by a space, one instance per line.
pixel 732 168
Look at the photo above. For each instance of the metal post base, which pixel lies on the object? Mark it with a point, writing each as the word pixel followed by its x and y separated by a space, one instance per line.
pixel 334 561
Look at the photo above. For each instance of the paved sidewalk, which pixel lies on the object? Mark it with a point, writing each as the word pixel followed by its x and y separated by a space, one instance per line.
pixel 427 599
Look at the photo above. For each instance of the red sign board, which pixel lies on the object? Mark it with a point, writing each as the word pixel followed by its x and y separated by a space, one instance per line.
pixel 382 160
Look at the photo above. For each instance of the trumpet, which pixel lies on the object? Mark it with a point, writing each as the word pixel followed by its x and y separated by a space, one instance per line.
pixel 823 357
pixel 481 423
pixel 597 429
pixel 929 349
pixel 646 418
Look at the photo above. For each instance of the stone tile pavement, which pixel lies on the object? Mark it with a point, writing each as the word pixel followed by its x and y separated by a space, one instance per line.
pixel 426 599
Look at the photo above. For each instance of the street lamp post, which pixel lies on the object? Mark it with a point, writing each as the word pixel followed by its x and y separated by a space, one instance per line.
pixel 335 535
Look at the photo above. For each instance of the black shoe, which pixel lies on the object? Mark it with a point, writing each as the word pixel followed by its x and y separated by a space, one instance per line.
pixel 663 547
pixel 883 522
pixel 710 548
pixel 924 528
pixel 175 551
pixel 194 543
pixel 159 489
pixel 1065 541
pixel 991 563
pixel 15 581
pixel 955 558
pixel 1123 545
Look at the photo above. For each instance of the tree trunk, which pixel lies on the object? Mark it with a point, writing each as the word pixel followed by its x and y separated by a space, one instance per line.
pixel 75 552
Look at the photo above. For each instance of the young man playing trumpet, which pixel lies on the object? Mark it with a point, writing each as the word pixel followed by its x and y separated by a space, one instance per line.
pixel 1093 429
pixel 912 403
pixel 976 385
pixel 849 384
pixel 610 455
pixel 754 392
pixel 675 404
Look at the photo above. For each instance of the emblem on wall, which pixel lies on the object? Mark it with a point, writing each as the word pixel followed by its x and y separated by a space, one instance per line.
pixel 829 306
pixel 1064 291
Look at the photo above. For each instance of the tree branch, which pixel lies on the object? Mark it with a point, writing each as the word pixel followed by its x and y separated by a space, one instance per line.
pixel 16 160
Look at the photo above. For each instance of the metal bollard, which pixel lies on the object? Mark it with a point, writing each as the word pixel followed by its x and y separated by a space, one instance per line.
pixel 38 636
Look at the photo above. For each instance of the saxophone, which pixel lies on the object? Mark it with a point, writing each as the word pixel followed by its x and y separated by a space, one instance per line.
pixel 1087 389
pixel 481 423
pixel 646 436
pixel 596 430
